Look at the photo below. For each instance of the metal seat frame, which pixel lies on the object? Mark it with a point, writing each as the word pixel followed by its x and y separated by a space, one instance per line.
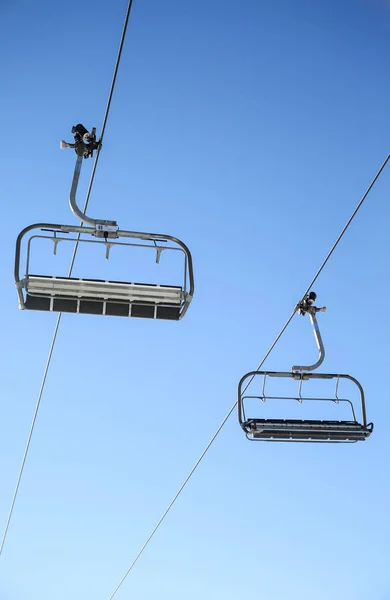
pixel 137 239
pixel 163 301
pixel 303 430
pixel 295 430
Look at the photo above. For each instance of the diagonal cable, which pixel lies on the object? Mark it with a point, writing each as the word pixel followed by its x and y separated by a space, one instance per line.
pixel 214 437
pixel 53 341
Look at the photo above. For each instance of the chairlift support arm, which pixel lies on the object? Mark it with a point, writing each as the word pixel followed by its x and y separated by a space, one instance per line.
pixel 320 346
pixel 84 145
pixel 105 226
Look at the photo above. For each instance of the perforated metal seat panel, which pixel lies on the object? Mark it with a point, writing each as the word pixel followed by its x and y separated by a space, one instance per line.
pixel 98 297
pixel 307 429
pixel 102 290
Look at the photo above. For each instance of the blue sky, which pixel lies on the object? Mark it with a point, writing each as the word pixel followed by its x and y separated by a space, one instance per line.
pixel 249 130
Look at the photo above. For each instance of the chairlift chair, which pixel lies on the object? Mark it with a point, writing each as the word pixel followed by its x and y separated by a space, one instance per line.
pixel 303 430
pixel 94 296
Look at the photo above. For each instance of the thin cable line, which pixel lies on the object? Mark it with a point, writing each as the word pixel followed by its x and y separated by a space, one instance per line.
pixel 207 448
pixel 108 106
pixel 333 248
pixel 31 431
pixel 53 341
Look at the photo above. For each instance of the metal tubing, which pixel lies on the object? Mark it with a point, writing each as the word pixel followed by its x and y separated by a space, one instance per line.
pixel 72 197
pixel 320 346
pixel 91 231
pixel 287 374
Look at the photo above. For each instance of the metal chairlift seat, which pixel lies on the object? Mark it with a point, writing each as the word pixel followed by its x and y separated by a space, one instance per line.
pixel 101 297
pixel 95 296
pixel 301 430
pixel 304 430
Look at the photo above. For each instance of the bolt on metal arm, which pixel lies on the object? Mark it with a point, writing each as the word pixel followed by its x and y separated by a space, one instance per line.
pixel 307 306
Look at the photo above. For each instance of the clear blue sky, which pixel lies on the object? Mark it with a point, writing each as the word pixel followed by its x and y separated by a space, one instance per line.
pixel 249 130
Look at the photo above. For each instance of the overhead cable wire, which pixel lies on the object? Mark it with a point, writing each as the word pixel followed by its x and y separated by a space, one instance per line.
pixel 214 437
pixel 53 341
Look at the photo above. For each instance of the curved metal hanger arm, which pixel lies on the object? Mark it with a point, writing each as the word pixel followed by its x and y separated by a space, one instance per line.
pixel 72 197
pixel 104 225
pixel 84 145
pixel 320 346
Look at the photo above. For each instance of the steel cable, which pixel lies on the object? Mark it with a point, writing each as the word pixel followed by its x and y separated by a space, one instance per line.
pixel 207 448
pixel 51 349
